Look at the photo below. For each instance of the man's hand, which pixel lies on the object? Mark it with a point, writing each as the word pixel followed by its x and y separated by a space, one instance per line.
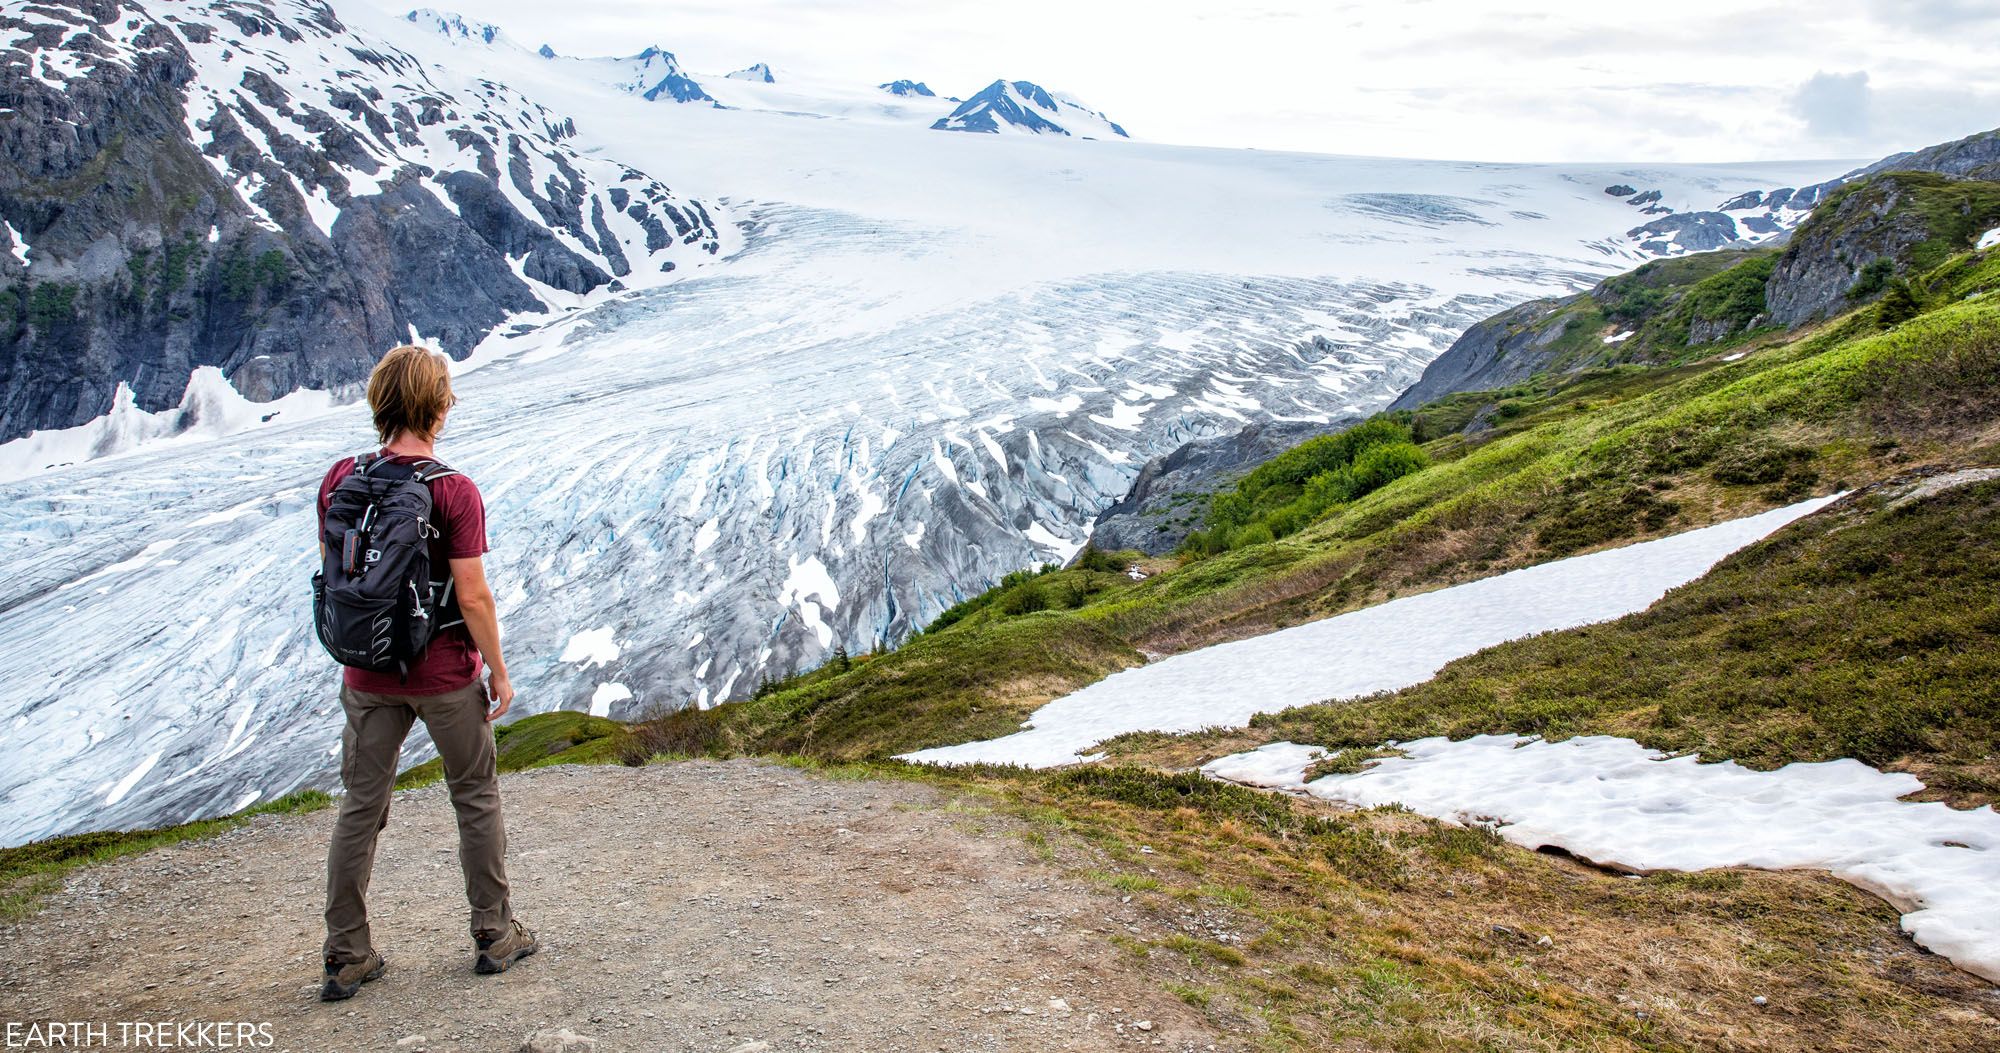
pixel 500 692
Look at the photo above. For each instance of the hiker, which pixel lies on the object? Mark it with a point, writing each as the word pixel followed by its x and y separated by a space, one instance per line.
pixel 402 602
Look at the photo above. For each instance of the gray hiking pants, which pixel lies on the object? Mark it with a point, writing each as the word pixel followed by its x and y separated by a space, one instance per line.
pixel 369 749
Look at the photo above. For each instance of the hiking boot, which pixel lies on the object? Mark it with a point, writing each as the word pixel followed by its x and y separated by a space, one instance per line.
pixel 343 980
pixel 496 953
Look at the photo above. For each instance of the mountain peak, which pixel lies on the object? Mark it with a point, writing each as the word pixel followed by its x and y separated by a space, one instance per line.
pixel 455 27
pixel 1024 106
pixel 758 72
pixel 908 87
pixel 659 75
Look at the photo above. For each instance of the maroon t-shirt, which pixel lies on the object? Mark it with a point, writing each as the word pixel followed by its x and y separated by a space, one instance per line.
pixel 451 661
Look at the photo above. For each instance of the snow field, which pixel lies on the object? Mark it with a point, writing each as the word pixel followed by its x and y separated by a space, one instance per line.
pixel 1614 802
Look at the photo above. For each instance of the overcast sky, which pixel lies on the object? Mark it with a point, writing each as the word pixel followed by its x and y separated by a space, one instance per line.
pixel 1691 80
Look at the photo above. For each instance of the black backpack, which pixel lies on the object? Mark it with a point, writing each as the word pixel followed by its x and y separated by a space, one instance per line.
pixel 377 600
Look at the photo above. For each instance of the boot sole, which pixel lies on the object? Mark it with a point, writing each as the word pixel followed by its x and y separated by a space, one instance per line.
pixel 486 966
pixel 335 991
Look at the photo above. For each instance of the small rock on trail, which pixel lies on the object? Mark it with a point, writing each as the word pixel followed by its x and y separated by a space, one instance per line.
pixel 704 906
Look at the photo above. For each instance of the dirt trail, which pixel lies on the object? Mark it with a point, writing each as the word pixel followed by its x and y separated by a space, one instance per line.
pixel 695 906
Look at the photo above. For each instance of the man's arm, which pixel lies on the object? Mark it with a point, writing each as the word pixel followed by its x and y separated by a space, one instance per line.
pixel 482 620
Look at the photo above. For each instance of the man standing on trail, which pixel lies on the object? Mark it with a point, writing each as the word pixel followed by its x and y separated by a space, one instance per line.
pixel 413 642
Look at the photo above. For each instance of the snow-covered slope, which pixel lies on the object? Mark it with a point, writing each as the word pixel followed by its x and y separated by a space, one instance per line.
pixel 1617 803
pixel 1380 648
pixel 934 360
pixel 1023 107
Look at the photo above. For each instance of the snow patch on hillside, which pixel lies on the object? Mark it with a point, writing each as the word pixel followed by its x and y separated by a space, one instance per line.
pixel 1616 803
pixel 1380 648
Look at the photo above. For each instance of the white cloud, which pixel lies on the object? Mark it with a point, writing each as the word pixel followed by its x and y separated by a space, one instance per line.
pixel 1835 105
pixel 1523 80
pixel 1937 14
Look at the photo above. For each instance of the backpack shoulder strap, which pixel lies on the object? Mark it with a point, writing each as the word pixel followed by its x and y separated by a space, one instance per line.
pixel 428 472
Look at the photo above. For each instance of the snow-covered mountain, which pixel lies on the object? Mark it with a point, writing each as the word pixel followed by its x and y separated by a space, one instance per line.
pixel 265 190
pixel 456 28
pixel 654 75
pixel 757 72
pixel 919 361
pixel 1023 107
pixel 908 87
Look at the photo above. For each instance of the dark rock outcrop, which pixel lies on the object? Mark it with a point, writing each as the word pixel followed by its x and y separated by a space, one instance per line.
pixel 1685 232
pixel 1169 498
pixel 1502 350
pixel 1871 230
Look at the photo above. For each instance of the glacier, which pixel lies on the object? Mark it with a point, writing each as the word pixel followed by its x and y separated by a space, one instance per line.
pixel 924 361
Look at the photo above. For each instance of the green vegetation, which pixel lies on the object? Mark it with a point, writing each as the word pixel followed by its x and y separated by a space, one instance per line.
pixel 173 267
pixel 1311 929
pixel 243 275
pixel 1289 491
pixel 51 304
pixel 1872 634
pixel 1872 279
pixel 1870 631
pixel 979 676
pixel 1729 302
pixel 560 737
pixel 1949 212
pixel 1690 301
pixel 30 872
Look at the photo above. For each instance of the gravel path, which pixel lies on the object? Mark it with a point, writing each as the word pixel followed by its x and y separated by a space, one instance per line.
pixel 725 906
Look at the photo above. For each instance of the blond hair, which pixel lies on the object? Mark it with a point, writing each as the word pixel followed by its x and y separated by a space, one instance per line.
pixel 409 391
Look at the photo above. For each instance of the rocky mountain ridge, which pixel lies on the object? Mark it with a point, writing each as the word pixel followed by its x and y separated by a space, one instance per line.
pixel 261 189
pixel 1023 106
pixel 1895 217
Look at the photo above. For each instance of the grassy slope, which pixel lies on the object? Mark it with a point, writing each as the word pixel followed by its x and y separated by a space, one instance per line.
pixel 1301 928
pixel 1870 632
